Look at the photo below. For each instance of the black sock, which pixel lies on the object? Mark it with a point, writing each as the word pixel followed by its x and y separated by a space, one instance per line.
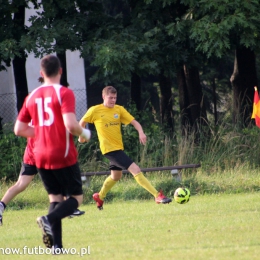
pixel 3 204
pixel 56 227
pixel 63 209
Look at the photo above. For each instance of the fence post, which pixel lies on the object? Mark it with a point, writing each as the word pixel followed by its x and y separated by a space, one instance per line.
pixel 176 174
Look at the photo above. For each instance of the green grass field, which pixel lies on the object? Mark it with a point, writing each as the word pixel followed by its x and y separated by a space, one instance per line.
pixel 208 227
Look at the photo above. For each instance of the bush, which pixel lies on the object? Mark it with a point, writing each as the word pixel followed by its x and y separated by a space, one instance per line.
pixel 228 147
pixel 12 149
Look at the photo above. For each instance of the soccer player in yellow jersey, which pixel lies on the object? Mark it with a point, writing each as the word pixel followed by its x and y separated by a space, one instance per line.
pixel 107 118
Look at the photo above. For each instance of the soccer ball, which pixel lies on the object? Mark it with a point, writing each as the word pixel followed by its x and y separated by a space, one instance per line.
pixel 182 195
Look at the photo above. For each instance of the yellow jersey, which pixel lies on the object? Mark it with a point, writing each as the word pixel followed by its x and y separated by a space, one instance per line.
pixel 108 125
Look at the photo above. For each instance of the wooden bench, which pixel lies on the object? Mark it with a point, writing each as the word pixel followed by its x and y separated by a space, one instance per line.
pixel 175 171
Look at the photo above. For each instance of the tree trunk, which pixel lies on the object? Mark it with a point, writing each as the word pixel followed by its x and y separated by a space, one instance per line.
pixel 63 80
pixel 136 91
pixel 243 80
pixel 195 96
pixel 166 102
pixel 183 101
pixel 19 68
pixel 214 101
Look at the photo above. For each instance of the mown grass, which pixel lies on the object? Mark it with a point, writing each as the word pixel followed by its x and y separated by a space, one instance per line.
pixel 211 226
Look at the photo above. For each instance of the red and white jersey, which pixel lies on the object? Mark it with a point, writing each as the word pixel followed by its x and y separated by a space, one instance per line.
pixel 54 147
pixel 28 156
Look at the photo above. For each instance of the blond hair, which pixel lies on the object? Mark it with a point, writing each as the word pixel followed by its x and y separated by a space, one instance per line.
pixel 108 89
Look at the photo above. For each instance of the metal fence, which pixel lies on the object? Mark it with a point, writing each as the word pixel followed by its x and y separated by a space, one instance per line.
pixel 8 109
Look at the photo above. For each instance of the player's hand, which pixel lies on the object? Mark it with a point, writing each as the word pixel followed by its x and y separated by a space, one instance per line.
pixel 81 140
pixel 85 135
pixel 142 138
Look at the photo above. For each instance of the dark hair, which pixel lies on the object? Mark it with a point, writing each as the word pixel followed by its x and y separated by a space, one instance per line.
pixel 109 89
pixel 50 65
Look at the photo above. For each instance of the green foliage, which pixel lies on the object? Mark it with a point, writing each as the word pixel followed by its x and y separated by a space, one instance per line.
pixel 55 28
pixel 228 148
pixel 9 49
pixel 218 25
pixel 12 149
pixel 151 128
pixel 112 56
pixel 134 39
pixel 10 31
pixel 120 55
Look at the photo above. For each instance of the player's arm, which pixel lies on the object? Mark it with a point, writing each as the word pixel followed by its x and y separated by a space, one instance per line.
pixel 139 129
pixel 82 123
pixel 73 126
pixel 22 125
pixel 23 129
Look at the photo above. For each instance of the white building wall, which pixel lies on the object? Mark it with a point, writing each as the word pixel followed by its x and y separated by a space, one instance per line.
pixel 7 81
pixel 76 80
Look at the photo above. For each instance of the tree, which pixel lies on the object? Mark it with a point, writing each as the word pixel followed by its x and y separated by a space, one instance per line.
pixel 136 91
pixel 8 47
pixel 127 41
pixel 186 64
pixel 63 61
pixel 117 48
pixel 53 29
pixel 19 61
pixel 215 75
pixel 243 80
pixel 166 101
pixel 223 25
pixel 12 29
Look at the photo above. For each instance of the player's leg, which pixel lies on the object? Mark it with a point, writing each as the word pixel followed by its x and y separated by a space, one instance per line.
pixel 65 211
pixel 21 184
pixel 27 173
pixel 76 213
pixel 116 161
pixel 141 179
pixel 56 227
pixel 123 161
pixel 135 170
pixel 145 183
pixel 68 182
pixel 60 210
pixel 51 185
pixel 110 181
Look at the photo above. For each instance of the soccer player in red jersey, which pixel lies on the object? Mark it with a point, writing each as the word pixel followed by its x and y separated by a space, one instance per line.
pixel 51 108
pixel 27 173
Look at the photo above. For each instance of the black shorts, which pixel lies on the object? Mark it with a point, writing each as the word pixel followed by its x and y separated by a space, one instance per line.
pixel 118 160
pixel 65 181
pixel 28 169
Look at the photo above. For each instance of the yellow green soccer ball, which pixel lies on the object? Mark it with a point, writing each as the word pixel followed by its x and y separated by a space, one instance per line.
pixel 182 195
